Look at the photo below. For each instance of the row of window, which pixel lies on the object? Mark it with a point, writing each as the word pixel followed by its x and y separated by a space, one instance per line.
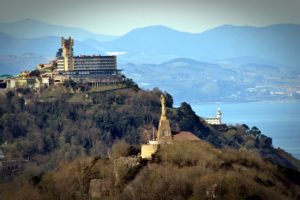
pixel 94 64
pixel 93 67
pixel 109 71
pixel 94 61
pixel 94 58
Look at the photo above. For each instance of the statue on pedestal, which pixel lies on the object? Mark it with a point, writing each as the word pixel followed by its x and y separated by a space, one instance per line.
pixel 163 107
pixel 164 135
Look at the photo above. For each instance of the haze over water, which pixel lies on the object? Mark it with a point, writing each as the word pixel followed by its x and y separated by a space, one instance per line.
pixel 278 120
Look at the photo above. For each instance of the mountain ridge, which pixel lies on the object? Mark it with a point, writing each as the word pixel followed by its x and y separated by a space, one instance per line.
pixel 156 44
pixel 31 28
pixel 46 45
pixel 278 43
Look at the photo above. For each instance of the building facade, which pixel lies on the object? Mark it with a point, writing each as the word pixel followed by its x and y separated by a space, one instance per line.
pixel 95 62
pixel 23 80
pixel 94 71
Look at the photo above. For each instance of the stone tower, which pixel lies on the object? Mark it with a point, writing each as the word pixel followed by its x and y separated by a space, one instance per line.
pixel 164 134
pixel 67 53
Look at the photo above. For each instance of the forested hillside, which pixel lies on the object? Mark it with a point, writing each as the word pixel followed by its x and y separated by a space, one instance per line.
pixel 184 170
pixel 63 135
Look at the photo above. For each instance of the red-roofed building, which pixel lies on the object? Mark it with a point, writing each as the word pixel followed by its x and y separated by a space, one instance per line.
pixel 185 136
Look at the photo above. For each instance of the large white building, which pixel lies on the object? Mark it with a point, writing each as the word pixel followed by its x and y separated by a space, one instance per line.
pixel 93 70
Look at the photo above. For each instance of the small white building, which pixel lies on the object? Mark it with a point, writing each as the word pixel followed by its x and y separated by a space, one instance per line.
pixel 215 120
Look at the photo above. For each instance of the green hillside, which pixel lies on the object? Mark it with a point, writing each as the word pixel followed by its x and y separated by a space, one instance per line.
pixel 64 137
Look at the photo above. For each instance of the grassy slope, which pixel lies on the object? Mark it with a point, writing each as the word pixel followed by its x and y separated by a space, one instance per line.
pixel 185 170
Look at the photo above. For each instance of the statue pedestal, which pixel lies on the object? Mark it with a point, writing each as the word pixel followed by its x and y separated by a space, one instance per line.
pixel 164 134
pixel 148 150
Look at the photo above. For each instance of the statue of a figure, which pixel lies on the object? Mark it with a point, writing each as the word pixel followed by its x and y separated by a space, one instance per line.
pixel 163 107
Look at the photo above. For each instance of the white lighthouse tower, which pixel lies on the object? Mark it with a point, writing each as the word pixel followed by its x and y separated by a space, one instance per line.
pixel 219 116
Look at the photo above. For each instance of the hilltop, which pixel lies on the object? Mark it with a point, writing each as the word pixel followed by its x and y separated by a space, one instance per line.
pixel 61 126
pixel 44 122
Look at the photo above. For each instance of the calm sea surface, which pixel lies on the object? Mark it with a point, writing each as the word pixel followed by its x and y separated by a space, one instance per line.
pixel 278 120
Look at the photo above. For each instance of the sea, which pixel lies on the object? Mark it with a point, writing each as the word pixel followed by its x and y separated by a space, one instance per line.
pixel 278 120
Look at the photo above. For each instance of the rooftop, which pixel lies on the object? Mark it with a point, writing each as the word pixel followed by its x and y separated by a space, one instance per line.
pixel 185 135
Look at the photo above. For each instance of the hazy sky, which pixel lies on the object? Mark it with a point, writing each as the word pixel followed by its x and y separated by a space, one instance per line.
pixel 117 17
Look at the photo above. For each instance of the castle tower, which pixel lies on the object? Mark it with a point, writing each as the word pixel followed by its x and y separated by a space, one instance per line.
pixel 164 134
pixel 67 53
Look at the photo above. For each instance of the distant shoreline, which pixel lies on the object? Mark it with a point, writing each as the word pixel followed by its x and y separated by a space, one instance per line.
pixel 279 120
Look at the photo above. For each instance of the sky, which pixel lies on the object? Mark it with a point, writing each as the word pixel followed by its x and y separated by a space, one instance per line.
pixel 116 17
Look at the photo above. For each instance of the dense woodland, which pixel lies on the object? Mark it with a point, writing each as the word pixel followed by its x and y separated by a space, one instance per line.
pixel 64 136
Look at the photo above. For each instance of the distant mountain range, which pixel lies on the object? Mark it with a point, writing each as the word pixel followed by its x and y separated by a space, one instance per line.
pixel 46 46
pixel 156 44
pixel 221 64
pixel 277 43
pixel 30 28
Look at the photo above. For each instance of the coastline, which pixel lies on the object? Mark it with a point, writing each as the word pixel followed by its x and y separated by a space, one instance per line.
pixel 277 119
